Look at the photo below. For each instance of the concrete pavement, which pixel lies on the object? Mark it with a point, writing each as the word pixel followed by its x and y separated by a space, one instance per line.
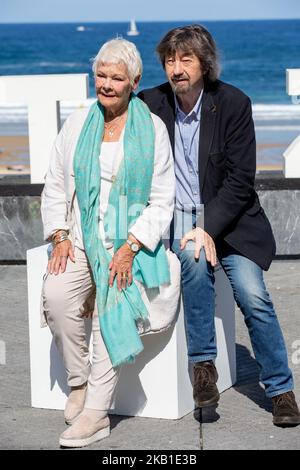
pixel 242 421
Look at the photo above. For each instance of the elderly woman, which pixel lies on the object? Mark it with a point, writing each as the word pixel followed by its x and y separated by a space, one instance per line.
pixel 107 202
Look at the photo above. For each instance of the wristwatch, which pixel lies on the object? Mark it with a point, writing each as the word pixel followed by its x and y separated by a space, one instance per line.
pixel 133 246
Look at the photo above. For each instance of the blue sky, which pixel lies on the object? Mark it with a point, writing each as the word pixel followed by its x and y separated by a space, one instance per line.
pixel 23 11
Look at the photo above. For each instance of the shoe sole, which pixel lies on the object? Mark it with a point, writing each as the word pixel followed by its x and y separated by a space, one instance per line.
pixel 205 404
pixel 102 434
pixel 286 421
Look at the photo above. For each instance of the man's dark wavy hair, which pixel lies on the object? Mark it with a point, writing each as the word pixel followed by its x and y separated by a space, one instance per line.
pixel 191 39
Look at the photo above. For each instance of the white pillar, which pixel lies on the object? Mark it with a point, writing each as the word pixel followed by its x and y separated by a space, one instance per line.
pixel 292 153
pixel 42 94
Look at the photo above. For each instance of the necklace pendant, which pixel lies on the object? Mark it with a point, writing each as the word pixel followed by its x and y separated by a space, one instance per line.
pixel 110 133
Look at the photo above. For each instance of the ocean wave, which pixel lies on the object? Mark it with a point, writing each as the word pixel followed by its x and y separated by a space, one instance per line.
pixel 272 112
pixel 17 113
pixel 263 114
pixel 12 66
pixel 60 64
pixel 285 127
pixel 56 65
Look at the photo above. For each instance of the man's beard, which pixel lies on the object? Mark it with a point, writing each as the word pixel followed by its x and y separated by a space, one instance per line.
pixel 179 88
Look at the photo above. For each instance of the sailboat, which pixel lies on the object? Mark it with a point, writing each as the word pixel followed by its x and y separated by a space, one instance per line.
pixel 133 29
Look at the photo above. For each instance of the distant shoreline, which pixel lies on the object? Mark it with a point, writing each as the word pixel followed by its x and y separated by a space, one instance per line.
pixel 14 155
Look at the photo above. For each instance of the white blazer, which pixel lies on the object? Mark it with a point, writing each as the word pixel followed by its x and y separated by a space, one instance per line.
pixel 152 225
pixel 59 190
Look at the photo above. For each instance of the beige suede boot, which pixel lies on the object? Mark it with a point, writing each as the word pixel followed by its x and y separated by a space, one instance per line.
pixel 75 403
pixel 90 426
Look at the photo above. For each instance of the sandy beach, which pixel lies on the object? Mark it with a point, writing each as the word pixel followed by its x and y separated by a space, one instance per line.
pixel 264 153
pixel 14 155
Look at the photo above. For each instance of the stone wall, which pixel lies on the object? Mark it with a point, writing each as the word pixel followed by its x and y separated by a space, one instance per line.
pixel 283 210
pixel 20 220
pixel 21 226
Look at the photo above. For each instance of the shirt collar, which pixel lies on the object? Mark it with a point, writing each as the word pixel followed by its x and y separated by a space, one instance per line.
pixel 194 113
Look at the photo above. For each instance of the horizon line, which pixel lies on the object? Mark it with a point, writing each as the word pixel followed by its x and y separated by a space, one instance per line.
pixel 148 21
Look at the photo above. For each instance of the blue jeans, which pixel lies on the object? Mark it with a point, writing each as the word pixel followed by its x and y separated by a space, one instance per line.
pixel 251 296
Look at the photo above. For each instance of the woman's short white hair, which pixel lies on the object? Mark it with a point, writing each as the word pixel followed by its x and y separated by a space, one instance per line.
pixel 120 50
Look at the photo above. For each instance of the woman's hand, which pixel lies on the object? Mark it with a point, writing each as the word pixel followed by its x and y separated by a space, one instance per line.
pixel 60 254
pixel 202 240
pixel 121 266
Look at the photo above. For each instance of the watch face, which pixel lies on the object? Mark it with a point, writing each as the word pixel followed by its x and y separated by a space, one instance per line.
pixel 135 247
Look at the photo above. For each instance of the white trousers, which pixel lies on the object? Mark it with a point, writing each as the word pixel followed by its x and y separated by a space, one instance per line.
pixel 66 296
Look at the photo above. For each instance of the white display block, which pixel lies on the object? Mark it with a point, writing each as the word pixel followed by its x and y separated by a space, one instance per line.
pixel 292 153
pixel 292 159
pixel 42 94
pixel 158 384
pixel 293 82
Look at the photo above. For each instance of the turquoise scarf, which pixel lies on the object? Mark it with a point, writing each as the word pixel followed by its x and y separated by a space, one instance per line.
pixel 129 195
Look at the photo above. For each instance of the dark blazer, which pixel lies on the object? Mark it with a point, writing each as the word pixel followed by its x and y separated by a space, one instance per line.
pixel 227 166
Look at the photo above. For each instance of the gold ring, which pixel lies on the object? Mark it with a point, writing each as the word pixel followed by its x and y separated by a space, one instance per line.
pixel 124 276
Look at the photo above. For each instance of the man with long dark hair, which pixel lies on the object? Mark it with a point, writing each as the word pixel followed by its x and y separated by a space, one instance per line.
pixel 212 133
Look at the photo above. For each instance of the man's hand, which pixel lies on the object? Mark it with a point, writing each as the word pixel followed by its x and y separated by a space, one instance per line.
pixel 202 240
pixel 60 254
pixel 121 266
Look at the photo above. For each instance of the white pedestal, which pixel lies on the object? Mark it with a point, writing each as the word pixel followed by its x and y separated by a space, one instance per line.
pixel 158 384
pixel 291 155
pixel 292 159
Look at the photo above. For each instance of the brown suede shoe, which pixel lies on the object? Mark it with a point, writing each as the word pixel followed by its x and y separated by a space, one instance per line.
pixel 285 410
pixel 205 391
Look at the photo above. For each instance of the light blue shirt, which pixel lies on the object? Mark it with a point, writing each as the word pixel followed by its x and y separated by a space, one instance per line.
pixel 187 133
